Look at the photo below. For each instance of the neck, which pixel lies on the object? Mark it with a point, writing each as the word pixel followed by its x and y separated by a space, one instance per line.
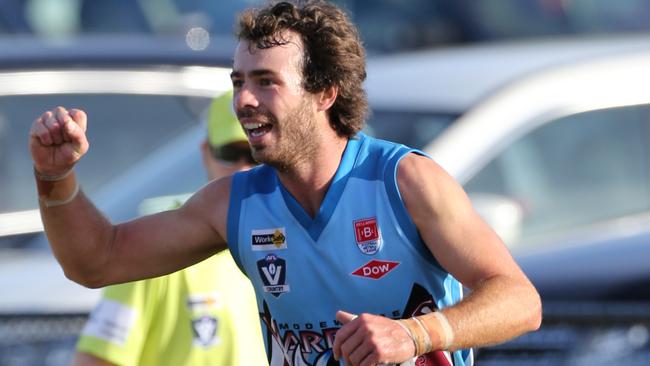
pixel 308 181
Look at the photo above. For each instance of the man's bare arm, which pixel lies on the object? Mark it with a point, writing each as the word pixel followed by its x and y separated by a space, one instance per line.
pixel 503 303
pixel 90 249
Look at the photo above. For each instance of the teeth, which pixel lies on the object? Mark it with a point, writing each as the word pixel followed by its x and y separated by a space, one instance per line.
pixel 252 126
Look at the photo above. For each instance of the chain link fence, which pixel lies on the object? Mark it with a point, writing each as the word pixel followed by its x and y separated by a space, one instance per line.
pixel 39 339
pixel 575 334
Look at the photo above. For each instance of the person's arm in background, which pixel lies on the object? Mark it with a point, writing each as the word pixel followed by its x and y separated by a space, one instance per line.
pixel 85 359
pixel 502 304
pixel 119 328
pixel 91 250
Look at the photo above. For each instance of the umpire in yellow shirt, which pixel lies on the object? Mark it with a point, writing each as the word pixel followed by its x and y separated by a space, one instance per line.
pixel 188 317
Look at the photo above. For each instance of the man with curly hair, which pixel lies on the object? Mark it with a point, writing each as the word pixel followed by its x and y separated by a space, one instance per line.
pixel 358 249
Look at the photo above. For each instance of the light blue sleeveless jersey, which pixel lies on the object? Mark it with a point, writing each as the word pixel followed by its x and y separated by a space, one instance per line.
pixel 361 253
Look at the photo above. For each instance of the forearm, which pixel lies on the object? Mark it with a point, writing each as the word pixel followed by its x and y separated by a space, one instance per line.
pixel 78 233
pixel 497 310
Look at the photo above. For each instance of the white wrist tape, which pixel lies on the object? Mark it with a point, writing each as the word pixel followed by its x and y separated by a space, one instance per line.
pixel 54 203
pixel 408 331
pixel 446 328
pixel 52 178
pixel 426 338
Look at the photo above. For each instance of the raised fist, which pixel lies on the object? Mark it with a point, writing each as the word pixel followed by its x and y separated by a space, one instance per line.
pixel 57 140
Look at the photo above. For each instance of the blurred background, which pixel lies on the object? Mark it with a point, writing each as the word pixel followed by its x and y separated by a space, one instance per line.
pixel 540 108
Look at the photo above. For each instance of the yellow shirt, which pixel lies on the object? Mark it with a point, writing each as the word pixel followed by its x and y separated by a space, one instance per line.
pixel 203 315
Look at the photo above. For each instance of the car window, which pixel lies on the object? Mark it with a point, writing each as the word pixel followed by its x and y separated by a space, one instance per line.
pixel 574 171
pixel 122 130
pixel 410 128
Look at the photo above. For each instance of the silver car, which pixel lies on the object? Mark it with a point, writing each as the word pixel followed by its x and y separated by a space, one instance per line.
pixel 145 114
pixel 550 139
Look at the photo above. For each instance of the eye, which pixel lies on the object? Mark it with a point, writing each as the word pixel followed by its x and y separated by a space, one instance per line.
pixel 237 83
pixel 266 82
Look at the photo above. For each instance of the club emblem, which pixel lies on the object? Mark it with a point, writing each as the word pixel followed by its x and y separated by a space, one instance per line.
pixel 367 235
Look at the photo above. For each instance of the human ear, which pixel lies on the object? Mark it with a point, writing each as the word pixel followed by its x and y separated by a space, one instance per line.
pixel 326 98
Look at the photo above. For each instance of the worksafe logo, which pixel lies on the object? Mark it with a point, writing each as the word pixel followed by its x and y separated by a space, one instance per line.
pixel 367 235
pixel 269 239
pixel 273 271
pixel 375 269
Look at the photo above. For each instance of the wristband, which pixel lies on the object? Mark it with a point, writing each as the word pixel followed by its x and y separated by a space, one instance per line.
pixel 419 329
pixel 53 203
pixel 51 178
pixel 446 329
pixel 427 346
pixel 56 190
pixel 402 323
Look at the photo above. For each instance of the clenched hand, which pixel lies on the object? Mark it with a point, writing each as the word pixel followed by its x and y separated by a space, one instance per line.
pixel 57 140
pixel 369 340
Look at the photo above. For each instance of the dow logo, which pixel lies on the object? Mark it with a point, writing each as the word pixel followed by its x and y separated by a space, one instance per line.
pixel 375 269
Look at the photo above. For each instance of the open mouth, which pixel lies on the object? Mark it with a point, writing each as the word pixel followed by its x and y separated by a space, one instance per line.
pixel 257 129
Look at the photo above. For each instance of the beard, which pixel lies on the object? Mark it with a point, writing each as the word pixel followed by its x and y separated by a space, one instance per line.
pixel 297 137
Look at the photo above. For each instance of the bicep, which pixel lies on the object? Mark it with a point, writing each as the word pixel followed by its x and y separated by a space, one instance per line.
pixel 162 243
pixel 452 230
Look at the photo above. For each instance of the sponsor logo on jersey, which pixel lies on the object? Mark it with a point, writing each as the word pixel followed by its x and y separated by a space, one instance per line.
pixel 367 235
pixel 273 270
pixel 111 321
pixel 269 239
pixel 203 301
pixel 375 269
pixel 204 329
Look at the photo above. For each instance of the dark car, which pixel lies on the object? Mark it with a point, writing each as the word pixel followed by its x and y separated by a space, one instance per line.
pixel 386 26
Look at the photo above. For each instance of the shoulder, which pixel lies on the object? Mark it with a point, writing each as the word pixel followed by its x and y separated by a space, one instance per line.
pixel 424 183
pixel 413 167
pixel 212 196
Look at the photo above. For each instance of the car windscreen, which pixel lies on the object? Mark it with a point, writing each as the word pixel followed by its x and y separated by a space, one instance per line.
pixel 414 129
pixel 122 129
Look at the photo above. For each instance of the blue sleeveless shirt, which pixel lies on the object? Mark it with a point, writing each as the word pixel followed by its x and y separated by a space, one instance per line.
pixel 361 253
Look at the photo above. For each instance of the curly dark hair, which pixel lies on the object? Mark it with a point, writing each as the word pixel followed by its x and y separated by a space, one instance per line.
pixel 333 55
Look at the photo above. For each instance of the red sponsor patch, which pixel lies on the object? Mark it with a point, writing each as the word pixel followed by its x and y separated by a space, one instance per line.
pixel 366 230
pixel 375 269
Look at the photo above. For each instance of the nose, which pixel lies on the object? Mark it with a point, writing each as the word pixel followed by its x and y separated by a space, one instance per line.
pixel 245 97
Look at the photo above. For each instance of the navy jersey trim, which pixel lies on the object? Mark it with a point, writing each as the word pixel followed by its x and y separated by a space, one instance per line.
pixel 237 188
pixel 258 180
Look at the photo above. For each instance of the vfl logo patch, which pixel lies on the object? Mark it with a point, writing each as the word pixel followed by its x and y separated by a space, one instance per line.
pixel 273 270
pixel 367 235
pixel 205 331
pixel 375 269
pixel 269 239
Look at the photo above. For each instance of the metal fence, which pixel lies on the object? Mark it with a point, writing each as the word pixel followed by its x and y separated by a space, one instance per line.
pixel 580 334
pixel 573 334
pixel 39 339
